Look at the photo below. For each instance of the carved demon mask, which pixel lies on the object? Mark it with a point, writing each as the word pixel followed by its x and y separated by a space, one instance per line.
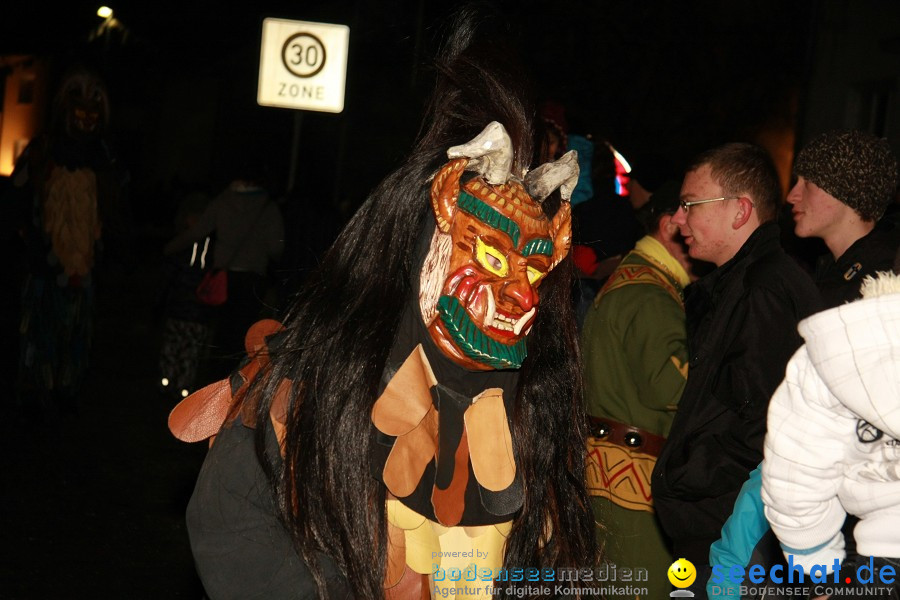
pixel 492 247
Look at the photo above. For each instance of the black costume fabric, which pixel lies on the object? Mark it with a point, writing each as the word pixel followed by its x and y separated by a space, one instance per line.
pixel 742 329
pixel 241 549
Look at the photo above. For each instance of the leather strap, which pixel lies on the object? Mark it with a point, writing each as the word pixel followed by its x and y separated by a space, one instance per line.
pixel 626 436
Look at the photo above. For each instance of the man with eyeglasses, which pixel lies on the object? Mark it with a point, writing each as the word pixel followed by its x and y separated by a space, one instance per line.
pixel 742 329
pixel 846 180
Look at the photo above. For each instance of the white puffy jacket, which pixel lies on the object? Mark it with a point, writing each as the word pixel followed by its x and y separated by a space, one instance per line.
pixel 833 429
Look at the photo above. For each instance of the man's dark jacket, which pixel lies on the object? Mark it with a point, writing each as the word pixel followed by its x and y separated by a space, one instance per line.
pixel 742 329
pixel 839 280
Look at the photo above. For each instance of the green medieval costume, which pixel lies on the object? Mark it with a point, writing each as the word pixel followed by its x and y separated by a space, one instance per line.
pixel 636 359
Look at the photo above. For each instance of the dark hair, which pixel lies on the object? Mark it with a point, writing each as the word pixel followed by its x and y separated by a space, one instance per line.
pixel 741 168
pixel 664 201
pixel 343 324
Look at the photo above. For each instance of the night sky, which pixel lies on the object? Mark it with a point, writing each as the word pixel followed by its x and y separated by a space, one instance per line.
pixel 666 78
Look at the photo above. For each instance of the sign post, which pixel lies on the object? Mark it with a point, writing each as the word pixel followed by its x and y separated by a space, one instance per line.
pixel 302 65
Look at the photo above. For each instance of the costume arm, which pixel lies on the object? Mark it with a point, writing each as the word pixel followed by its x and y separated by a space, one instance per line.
pixel 240 546
pixel 802 470
pixel 655 345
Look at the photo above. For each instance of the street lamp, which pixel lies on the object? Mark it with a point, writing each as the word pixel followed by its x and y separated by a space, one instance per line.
pixel 107 26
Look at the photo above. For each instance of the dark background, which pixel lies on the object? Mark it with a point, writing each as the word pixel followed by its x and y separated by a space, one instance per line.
pixel 92 504
pixel 670 78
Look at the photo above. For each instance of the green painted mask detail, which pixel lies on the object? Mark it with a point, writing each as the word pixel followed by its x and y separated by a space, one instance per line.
pixel 538 246
pixel 487 215
pixel 475 343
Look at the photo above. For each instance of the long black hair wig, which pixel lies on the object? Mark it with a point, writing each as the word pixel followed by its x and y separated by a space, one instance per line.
pixel 342 326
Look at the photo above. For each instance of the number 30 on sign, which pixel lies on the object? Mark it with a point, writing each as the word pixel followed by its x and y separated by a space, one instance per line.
pixel 303 65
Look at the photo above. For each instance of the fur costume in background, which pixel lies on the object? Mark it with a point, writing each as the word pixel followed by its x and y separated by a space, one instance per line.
pixel 372 385
pixel 67 175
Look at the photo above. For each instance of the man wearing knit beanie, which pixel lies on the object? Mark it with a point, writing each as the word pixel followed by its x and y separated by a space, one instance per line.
pixel 845 182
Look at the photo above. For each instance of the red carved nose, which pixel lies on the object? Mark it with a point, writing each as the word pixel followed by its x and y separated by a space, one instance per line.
pixel 521 292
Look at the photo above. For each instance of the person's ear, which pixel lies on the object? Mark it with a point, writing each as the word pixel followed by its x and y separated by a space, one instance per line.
pixel 666 226
pixel 744 212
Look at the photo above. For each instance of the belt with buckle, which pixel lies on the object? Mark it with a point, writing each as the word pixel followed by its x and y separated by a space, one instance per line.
pixel 633 438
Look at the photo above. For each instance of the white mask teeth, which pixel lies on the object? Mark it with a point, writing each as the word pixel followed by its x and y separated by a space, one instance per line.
pixel 503 322
pixel 491 306
pixel 526 318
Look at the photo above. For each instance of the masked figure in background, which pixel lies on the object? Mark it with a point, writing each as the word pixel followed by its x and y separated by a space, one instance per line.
pixel 418 415
pixel 66 176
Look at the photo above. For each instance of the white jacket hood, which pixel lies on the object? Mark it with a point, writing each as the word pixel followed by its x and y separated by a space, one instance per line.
pixel 855 349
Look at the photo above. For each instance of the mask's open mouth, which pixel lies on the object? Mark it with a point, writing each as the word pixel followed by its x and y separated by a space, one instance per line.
pixel 500 322
pixel 476 344
pixel 507 325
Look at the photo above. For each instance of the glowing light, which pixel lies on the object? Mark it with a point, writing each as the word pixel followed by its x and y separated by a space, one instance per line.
pixel 623 168
pixel 184 393
pixel 165 382
pixel 104 12
pixel 620 160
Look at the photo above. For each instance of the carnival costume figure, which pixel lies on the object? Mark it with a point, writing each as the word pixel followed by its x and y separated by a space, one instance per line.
pixel 417 415
pixel 68 178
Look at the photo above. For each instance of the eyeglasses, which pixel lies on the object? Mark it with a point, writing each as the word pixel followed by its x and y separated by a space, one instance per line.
pixel 686 205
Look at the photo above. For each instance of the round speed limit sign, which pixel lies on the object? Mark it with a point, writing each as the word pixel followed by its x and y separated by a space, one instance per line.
pixel 303 54
pixel 303 65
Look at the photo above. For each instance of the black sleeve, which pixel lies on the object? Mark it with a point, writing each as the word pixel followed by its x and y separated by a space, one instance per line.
pixel 241 549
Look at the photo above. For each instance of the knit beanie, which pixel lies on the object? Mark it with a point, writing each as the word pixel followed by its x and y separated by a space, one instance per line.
pixel 855 167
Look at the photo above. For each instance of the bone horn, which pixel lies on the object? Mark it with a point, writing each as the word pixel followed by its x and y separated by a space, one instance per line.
pixel 562 174
pixel 490 154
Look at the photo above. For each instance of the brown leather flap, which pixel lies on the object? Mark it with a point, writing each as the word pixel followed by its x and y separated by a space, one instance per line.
pixel 255 339
pixel 407 397
pixel 410 455
pixel 490 441
pixel 201 414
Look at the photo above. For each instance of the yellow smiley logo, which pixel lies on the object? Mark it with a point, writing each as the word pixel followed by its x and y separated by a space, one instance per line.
pixel 682 573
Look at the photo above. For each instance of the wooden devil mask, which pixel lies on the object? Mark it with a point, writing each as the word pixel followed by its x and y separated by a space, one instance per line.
pixel 492 247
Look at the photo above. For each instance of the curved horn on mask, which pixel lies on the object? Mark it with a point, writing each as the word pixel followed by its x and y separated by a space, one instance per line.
pixel 490 154
pixel 561 232
pixel 562 174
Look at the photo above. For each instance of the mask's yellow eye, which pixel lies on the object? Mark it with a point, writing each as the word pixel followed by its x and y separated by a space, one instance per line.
pixel 491 259
pixel 534 275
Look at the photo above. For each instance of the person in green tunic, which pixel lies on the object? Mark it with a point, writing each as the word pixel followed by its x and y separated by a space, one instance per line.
pixel 635 354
